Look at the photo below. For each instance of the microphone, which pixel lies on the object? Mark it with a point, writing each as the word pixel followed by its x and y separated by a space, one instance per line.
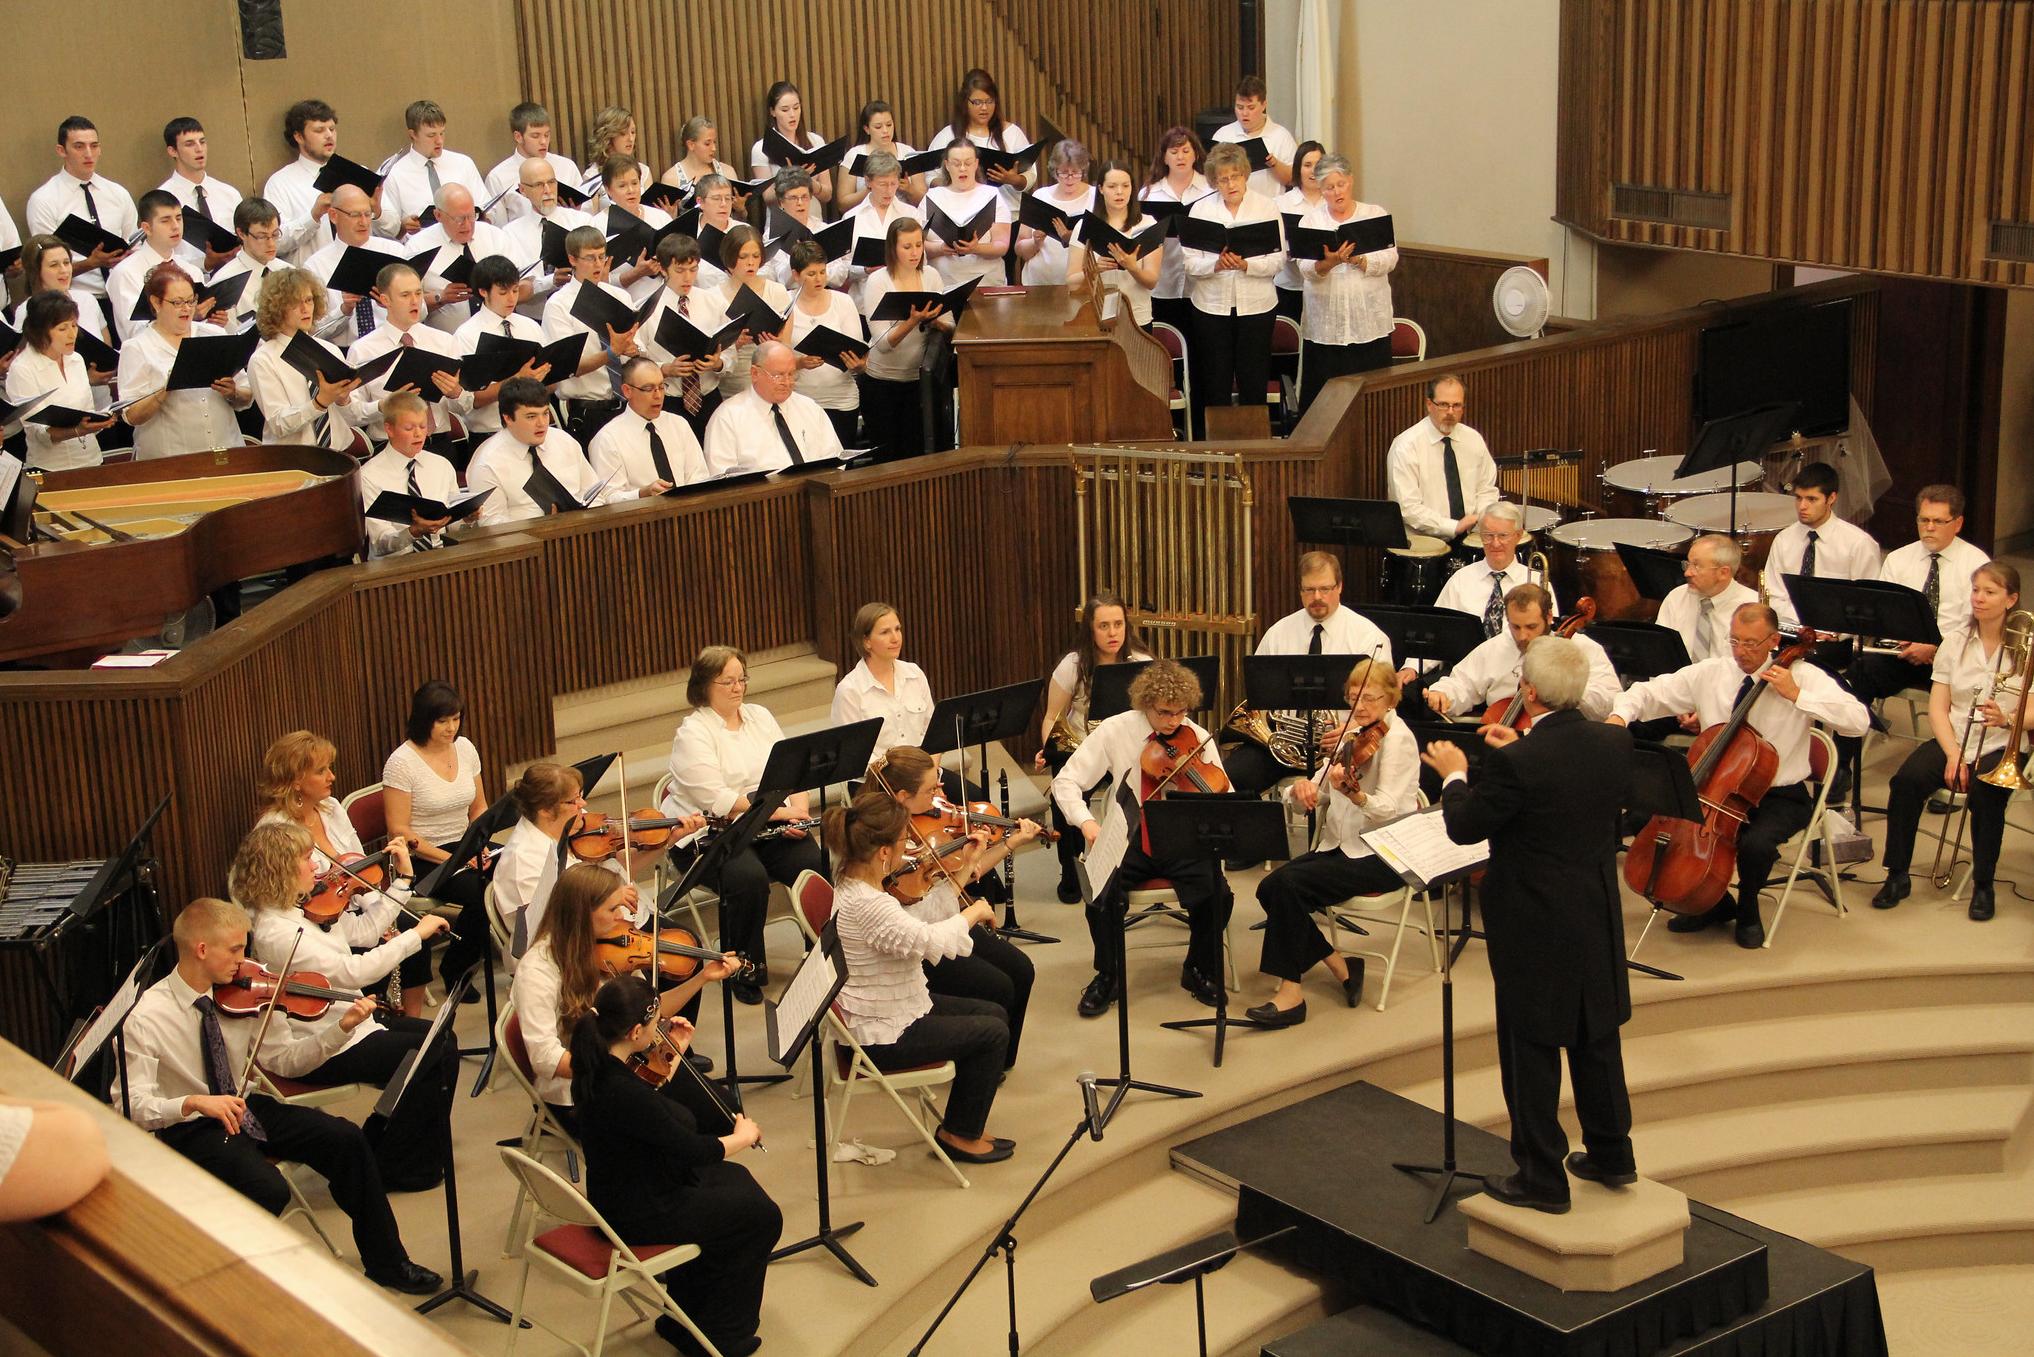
pixel 1093 1103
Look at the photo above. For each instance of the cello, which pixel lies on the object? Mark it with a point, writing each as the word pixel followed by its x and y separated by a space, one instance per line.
pixel 1685 866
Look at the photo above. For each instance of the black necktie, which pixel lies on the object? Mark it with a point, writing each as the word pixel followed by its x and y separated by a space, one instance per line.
pixel 1493 609
pixel 1314 645
pixel 657 454
pixel 413 479
pixel 204 208
pixel 218 1068
pixel 1456 509
pixel 784 432
pixel 1744 690
pixel 1934 586
pixel 90 206
pixel 1808 554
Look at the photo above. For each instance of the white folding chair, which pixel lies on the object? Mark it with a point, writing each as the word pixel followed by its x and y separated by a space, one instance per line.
pixel 583 1251
pixel 668 873
pixel 1158 900
pixel 848 1067
pixel 1394 911
pixel 542 1133
pixel 300 1205
pixel 1822 767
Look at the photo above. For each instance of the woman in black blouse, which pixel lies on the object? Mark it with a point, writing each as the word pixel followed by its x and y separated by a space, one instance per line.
pixel 660 1175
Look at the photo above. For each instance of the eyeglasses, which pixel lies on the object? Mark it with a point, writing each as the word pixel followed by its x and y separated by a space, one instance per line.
pixel 181 303
pixel 1752 647
pixel 1934 522
pixel 1317 590
pixel 644 390
pixel 1447 405
pixel 264 237
pixel 740 681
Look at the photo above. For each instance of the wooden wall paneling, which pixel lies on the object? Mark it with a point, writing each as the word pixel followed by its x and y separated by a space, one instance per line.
pixel 1447 292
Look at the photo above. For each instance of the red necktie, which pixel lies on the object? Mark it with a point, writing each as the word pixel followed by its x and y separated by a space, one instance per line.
pixel 688 385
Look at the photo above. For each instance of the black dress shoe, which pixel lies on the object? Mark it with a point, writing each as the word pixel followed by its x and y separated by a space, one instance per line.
pixel 1751 931
pixel 1898 886
pixel 745 992
pixel 1204 988
pixel 1352 988
pixel 410 1279
pixel 700 1061
pixel 1582 1166
pixel 1695 923
pixel 1981 907
pixel 999 1150
pixel 1271 1015
pixel 1069 890
pixel 1096 998
pixel 1512 1191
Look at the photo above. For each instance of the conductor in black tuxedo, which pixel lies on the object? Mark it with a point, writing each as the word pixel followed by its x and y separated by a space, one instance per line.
pixel 1549 802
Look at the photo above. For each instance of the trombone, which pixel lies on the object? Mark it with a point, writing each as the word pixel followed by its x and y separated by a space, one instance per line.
pixel 2015 668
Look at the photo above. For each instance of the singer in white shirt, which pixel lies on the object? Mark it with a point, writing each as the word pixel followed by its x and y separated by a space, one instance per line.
pixel 79 190
pixel 1234 298
pixel 745 433
pixel 509 461
pixel 1346 322
pixel 413 181
pixel 623 450
pixel 407 468
pixel 530 128
pixel 402 296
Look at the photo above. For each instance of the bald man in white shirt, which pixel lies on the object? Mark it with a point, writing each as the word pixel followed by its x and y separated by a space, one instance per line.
pixel 770 427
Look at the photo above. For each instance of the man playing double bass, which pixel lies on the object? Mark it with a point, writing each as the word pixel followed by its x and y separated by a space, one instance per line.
pixel 1799 696
pixel 1550 803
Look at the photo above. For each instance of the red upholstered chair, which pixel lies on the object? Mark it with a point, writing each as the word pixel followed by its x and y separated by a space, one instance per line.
pixel 542 1133
pixel 1281 390
pixel 368 811
pixel 1408 341
pixel 1181 398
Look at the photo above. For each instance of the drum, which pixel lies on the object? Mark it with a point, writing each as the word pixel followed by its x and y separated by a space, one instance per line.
pixel 1586 563
pixel 1759 520
pixel 1537 520
pixel 1645 487
pixel 1415 572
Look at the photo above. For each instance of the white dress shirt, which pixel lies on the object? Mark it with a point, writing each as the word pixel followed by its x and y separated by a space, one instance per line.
pixel 406 191
pixel 220 197
pixel 1964 666
pixel 706 308
pixel 713 767
pixel 1681 610
pixel 250 295
pixel 165 1046
pixel 288 399
pixel 742 435
pixel 895 362
pixel 390 470
pixel 61 196
pixel 534 992
pixel 810 139
pixel 503 463
pixel 831 388
pixel 1468 589
pixel 1908 565
pixel 486 419
pixel 191 420
pixel 1350 304
pixel 488 239
pixel 624 443
pixel 1420 484
pixel 1277 141
pixel 1222 292
pixel 1490 673
pixel 1048 267
pixel 290 189
pixel 559 322
pixel 125 283
pixel 904 708
pixel 962 208
pixel 340 324
pixel 505 178
pixel 525 236
pixel 1709 689
pixel 33 374
pixel 1172 279
pixel 1293 205
pixel 421 336
pixel 1014 140
pixel 438 807
pixel 330 953
pixel 1843 551
pixel 524 873
pixel 10 234
pixel 1343 632
pixel 1115 748
pixel 1389 782
pixel 886 947
pixel 873 223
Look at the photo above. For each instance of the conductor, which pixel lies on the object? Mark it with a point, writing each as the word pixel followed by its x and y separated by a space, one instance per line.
pixel 1549 803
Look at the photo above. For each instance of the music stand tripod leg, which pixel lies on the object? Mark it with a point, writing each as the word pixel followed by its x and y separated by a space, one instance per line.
pixel 829 1235
pixel 1122 1080
pixel 1009 930
pixel 1449 1175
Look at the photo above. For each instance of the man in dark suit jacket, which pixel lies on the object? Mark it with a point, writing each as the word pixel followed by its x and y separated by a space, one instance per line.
pixel 1549 803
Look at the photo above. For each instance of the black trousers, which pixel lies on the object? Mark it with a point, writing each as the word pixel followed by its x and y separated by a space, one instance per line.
pixel 847 426
pixel 1203 891
pixel 997 972
pixel 1251 768
pixel 1228 352
pixel 1177 312
pixel 1918 779
pixel 409 1147
pixel 1322 363
pixel 467 889
pixel 1070 841
pixel 735 1224
pixel 1872 677
pixel 330 1146
pixel 585 418
pixel 1293 944
pixel 975 1035
pixel 1778 817
pixel 893 416
pixel 745 890
pixel 1292 301
pixel 1531 1074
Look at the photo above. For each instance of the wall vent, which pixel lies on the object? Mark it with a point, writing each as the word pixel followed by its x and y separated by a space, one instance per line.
pixel 1676 207
pixel 2012 241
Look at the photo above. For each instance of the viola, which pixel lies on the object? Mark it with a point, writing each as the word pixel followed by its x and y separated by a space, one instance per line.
pixel 677 951
pixel 1180 762
pixel 1357 752
pixel 350 874
pixel 976 815
pixel 659 1063
pixel 305 994
pixel 923 865
pixel 1683 866
pixel 597 837
pixel 1512 711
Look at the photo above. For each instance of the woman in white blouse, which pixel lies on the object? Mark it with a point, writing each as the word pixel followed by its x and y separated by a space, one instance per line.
pixel 741 261
pixel 1127 277
pixel 1175 177
pixel 1233 296
pixel 878 123
pixel 887 1005
pixel 961 198
pixel 883 207
pixel 1044 252
pixel 47 266
pixel 169 422
pixel 715 198
pixel 549 798
pixel 1106 637
pixel 613 134
pixel 795 210
pixel 273 871
pixel 621 179
pixel 885 685
pixel 48 364
pixel 978 118
pixel 891 408
pixel 1347 327
pixel 296 789
pixel 784 110
pixel 1293 204
pixel 701 140
pixel 717 760
pixel 430 791
pixel 296 408
pixel 832 388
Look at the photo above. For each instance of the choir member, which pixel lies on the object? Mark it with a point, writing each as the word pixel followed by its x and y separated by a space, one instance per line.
pixel 432 788
pixel 1253 122
pixel 1127 277
pixel 878 209
pixel 498 287
pixel 458 233
pixel 1293 204
pixel 399 292
pixel 311 132
pixel 795 219
pixel 167 422
pixel 259 227
pixel 407 466
pixel 588 397
pixel 961 198
pixel 741 265
pixel 701 140
pixel 621 182
pixel 192 183
pixel 612 135
pixel 646 448
pixel 538 186
pixel 830 386
pixel 162 242
pixel 770 426
pixel 891 391
pixel 1440 470
pixel 530 130
pixel 1174 177
pixel 1232 296
pixel 48 364
pixel 878 125
pixel 1106 637
pixel 784 111
pixel 1044 252
pixel 296 408
pixel 47 266
pixel 691 385
pixel 716 201
pixel 528 462
pixel 349 315
pixel 1347 321
pixel 978 119
pixel 425 169
pixel 77 189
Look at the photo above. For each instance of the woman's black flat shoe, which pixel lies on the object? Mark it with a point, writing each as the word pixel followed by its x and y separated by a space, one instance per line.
pixel 999 1150
pixel 1271 1015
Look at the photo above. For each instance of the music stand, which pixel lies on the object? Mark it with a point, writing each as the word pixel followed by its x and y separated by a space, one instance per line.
pixel 807 999
pixel 1640 650
pixel 460 1283
pixel 501 815
pixel 1191 1261
pixel 1661 785
pixel 1879 609
pixel 820 759
pixel 1418 632
pixel 1302 683
pixel 1742 437
pixel 1109 688
pixel 1654 572
pixel 1122 1081
pixel 981 719
pixel 1346 522
pixel 1223 826
pixel 110 1021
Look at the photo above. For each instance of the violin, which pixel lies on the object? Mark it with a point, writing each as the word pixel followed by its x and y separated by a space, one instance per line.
pixel 1174 763
pixel 350 874
pixel 1683 866
pixel 659 1063
pixel 1357 752
pixel 678 954
pixel 598 838
pixel 972 816
pixel 1512 711
pixel 303 994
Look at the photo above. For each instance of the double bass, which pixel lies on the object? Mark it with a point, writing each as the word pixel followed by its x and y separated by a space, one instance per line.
pixel 1685 866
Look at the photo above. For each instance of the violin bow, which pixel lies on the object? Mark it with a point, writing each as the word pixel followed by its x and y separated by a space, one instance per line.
pixel 267 1012
pixel 925 847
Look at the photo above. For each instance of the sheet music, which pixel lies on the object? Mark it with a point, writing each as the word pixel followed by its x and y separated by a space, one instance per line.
pixel 810 988
pixel 10 474
pixel 1417 846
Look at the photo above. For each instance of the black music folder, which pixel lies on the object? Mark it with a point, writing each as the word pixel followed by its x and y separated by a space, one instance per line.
pixel 836 239
pixel 779 150
pixel 338 171
pixel 899 305
pixel 1170 212
pixel 996 158
pixel 458 270
pixel 393 506
pixel 1254 147
pixel 827 344
pixel 954 232
pixel 667 197
pixel 1098 235
pixel 314 359
pixel 1368 235
pixel 97 353
pixel 10 338
pixel 8 258
pixel 1041 213
pixel 551 245
pixel 744 187
pixel 679 337
pixel 358 268
pixel 207 234
pixel 414 366
pixel 600 310
pixel 758 317
pixel 710 239
pixel 203 359
pixel 1247 239
pixel 561 355
pixel 225 294
pixel 572 196
pixel 84 236
pixel 871 252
